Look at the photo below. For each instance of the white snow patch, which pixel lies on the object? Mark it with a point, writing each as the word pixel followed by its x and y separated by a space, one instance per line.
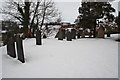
pixel 1 63
pixel 115 36
pixel 81 58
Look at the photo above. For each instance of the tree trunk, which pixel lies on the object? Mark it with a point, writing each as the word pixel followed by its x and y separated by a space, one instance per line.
pixel 26 18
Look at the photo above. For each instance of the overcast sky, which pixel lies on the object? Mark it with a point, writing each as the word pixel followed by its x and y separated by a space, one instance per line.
pixel 69 8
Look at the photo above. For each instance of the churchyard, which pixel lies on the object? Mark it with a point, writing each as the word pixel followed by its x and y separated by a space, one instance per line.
pixel 39 44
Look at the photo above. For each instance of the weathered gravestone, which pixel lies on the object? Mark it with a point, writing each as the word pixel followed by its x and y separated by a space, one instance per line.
pixel 63 33
pixel 69 37
pixel 73 33
pixel 11 47
pixel 38 38
pixel 90 34
pixel 44 36
pixel 83 34
pixel 108 30
pixel 20 52
pixel 60 35
pixel 108 34
pixel 100 32
pixel 79 33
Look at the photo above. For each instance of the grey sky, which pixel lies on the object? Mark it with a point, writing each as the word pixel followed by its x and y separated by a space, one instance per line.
pixel 69 8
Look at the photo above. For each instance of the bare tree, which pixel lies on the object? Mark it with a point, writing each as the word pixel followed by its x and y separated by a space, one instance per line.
pixel 47 12
pixel 22 11
pixel 30 14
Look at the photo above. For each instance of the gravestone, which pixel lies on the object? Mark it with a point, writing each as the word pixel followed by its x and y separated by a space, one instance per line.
pixel 83 34
pixel 60 35
pixel 38 38
pixel 11 47
pixel 108 34
pixel 63 33
pixel 90 34
pixel 69 37
pixel 100 32
pixel 79 33
pixel 73 33
pixel 20 52
pixel 44 36
pixel 96 33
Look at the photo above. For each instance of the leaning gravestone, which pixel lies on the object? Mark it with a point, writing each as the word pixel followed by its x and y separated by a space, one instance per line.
pixel 20 52
pixel 60 35
pixel 38 38
pixel 69 37
pixel 11 47
pixel 100 32
pixel 73 32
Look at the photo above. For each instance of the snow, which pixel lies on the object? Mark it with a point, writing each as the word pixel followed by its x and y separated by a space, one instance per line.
pixel 81 58
pixel 115 36
pixel 3 31
pixel 1 63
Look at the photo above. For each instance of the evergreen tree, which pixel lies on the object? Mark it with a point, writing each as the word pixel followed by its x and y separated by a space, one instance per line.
pixel 91 11
pixel 117 20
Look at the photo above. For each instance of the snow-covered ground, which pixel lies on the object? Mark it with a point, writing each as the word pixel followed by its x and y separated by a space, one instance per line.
pixel 0 63
pixel 81 58
pixel 115 36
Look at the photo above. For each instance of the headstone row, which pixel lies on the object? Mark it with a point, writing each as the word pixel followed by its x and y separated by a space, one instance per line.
pixel 72 33
pixel 69 34
pixel 11 51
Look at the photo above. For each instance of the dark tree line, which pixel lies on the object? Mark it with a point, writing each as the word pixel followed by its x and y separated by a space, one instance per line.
pixel 118 21
pixel 90 12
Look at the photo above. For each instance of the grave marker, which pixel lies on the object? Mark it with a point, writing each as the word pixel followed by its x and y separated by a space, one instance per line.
pixel 73 33
pixel 11 47
pixel 69 37
pixel 83 34
pixel 60 35
pixel 38 38
pixel 101 32
pixel 20 52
